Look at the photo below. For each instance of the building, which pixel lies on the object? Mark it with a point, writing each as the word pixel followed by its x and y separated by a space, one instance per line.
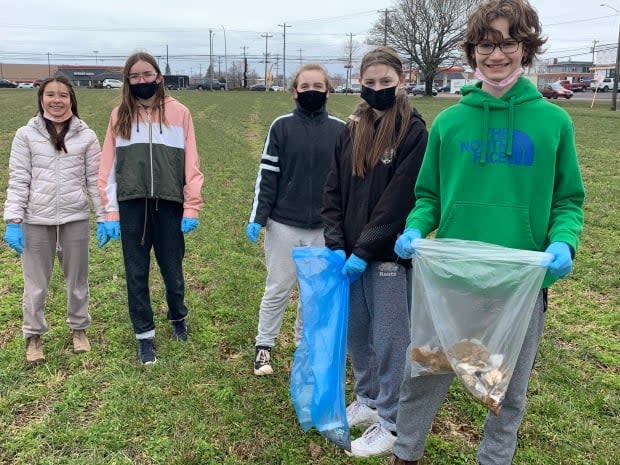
pixel 89 76
pixel 573 71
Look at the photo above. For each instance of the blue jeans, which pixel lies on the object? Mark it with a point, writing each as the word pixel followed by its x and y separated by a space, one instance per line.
pixel 152 224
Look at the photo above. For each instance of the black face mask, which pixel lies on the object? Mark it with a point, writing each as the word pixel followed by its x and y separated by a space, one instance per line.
pixel 379 99
pixel 144 90
pixel 311 100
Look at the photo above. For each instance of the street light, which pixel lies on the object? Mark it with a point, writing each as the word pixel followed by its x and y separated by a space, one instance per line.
pixel 225 62
pixel 614 93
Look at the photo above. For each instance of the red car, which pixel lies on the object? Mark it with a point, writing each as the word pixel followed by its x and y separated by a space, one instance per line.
pixel 555 90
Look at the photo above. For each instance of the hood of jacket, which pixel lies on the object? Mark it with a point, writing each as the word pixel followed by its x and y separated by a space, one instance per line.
pixel 523 91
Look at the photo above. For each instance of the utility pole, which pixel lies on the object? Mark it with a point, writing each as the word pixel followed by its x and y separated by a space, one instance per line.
pixel 210 59
pixel 225 62
pixel 167 62
pixel 277 66
pixel 245 69
pixel 614 94
pixel 385 24
pixel 284 26
pixel 594 42
pixel 95 52
pixel 300 61
pixel 49 68
pixel 266 35
pixel 350 60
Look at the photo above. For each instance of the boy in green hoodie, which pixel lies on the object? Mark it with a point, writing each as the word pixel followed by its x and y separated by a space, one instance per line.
pixel 500 167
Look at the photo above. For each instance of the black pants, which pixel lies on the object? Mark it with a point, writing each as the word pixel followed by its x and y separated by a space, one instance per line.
pixel 156 224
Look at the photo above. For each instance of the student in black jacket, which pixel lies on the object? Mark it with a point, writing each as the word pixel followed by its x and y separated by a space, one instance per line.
pixel 368 193
pixel 288 198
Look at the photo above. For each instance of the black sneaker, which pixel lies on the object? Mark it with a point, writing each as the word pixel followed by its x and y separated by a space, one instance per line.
pixel 179 330
pixel 146 351
pixel 262 361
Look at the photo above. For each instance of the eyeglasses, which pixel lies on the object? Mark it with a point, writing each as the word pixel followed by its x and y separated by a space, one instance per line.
pixel 146 76
pixel 508 46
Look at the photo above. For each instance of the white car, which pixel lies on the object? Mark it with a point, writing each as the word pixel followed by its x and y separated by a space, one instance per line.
pixel 25 85
pixel 112 84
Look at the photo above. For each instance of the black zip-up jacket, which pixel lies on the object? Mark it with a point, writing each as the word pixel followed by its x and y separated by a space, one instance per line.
pixel 365 215
pixel 294 164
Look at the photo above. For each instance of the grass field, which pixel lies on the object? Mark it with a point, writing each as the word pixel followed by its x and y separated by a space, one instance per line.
pixel 201 404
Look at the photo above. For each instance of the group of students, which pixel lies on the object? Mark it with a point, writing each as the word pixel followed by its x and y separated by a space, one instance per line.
pixel 499 166
pixel 145 182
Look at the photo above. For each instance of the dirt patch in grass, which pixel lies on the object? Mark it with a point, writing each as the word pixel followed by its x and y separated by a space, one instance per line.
pixel 8 334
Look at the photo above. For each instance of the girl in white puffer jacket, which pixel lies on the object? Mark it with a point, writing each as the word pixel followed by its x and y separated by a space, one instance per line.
pixel 53 171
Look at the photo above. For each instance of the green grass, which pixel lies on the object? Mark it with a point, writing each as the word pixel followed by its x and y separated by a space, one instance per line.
pixel 201 404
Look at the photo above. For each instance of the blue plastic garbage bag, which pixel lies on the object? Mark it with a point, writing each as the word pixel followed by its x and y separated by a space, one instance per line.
pixel 318 373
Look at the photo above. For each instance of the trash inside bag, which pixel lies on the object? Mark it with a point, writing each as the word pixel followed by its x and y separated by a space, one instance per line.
pixel 471 305
pixel 318 373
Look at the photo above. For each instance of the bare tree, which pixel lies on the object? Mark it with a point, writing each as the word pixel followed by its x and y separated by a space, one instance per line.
pixel 429 32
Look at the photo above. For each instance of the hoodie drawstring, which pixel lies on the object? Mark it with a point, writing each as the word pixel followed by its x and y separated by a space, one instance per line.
pixel 485 132
pixel 146 209
pixel 511 122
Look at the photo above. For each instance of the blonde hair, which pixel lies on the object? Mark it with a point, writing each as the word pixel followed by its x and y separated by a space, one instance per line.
pixel 369 144
pixel 309 67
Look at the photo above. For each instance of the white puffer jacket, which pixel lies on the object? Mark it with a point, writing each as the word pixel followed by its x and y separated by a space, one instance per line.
pixel 51 187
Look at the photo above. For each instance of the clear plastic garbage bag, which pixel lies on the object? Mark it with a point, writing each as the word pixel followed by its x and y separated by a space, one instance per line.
pixel 471 305
pixel 318 373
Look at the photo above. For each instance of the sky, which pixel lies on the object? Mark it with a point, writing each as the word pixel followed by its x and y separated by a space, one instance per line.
pixel 107 31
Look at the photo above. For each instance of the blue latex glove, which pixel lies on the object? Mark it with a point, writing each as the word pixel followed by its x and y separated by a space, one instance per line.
pixel 252 231
pixel 102 235
pixel 404 244
pixel 341 254
pixel 14 236
pixel 562 262
pixel 189 224
pixel 112 229
pixel 354 267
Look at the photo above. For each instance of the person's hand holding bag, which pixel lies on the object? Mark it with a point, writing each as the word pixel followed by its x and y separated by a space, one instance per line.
pixel 562 262
pixel 404 244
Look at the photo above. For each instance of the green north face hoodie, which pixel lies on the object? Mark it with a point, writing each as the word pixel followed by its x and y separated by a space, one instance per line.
pixel 501 170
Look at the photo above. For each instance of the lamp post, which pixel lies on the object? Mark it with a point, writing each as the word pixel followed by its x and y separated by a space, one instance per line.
pixel 614 93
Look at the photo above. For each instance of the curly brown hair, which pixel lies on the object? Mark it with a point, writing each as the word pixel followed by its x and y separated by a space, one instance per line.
pixel 524 27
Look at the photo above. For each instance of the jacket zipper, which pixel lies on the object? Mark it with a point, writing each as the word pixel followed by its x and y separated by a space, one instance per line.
pixel 148 116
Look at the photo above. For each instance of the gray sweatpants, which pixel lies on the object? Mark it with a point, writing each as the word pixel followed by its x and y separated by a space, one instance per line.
pixel 421 396
pixel 281 277
pixel 379 336
pixel 43 243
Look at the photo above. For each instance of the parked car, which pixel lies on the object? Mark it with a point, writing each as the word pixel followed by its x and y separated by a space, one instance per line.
pixel 604 85
pixel 444 89
pixel 555 90
pixel 259 87
pixel 207 84
pixel 25 85
pixel 7 84
pixel 575 86
pixel 112 84
pixel 420 89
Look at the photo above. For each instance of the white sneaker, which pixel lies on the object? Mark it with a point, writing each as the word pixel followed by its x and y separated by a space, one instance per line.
pixel 375 442
pixel 359 414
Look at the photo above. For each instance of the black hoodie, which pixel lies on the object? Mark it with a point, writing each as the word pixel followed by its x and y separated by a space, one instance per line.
pixel 365 215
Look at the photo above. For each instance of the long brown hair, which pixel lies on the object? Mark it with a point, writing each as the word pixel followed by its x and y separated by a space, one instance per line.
pixel 57 138
pixel 369 144
pixel 523 25
pixel 129 104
